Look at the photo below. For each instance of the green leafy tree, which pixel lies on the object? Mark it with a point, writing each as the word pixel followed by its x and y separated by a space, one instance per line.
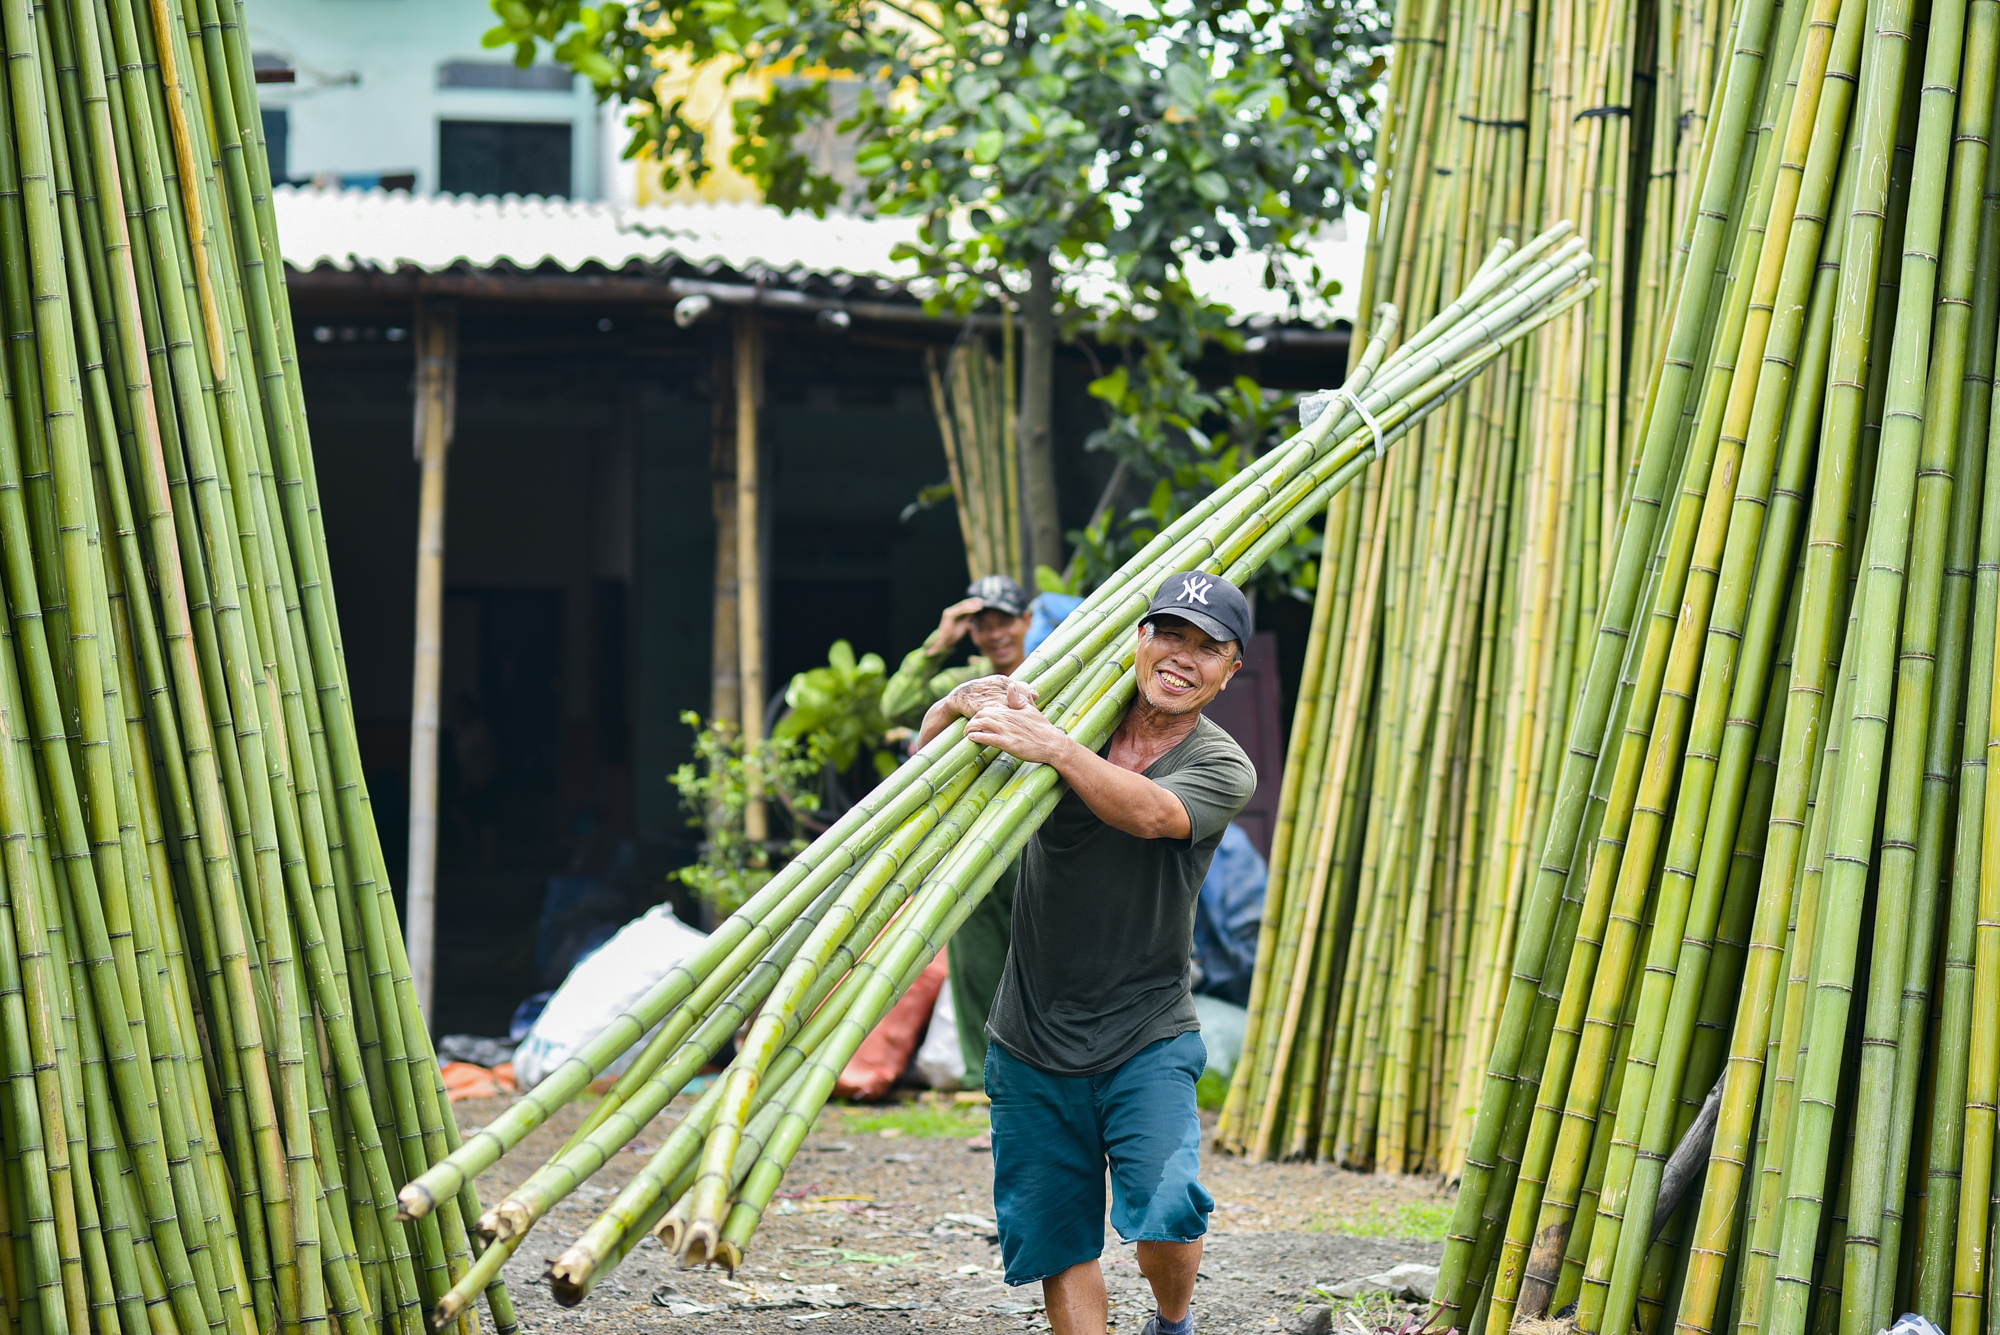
pixel 1064 156
pixel 1183 467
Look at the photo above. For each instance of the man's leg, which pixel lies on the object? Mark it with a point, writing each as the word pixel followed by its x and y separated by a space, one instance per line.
pixel 1048 1187
pixel 1076 1300
pixel 1152 1136
pixel 1170 1267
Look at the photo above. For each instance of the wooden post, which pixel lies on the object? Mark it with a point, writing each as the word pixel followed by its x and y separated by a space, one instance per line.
pixel 437 382
pixel 725 696
pixel 750 560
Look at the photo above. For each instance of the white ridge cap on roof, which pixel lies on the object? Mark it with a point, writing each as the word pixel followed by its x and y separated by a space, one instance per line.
pixel 375 229
pixel 348 229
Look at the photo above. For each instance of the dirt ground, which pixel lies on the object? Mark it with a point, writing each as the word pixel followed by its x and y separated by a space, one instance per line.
pixel 883 1226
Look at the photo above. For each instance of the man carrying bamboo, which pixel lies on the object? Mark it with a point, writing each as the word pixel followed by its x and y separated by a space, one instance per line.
pixel 1095 1045
pixel 994 614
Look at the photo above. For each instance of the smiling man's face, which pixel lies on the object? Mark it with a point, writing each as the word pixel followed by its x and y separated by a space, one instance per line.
pixel 1180 667
pixel 1000 638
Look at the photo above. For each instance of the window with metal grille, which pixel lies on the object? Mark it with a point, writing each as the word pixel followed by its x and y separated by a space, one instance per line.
pixel 504 158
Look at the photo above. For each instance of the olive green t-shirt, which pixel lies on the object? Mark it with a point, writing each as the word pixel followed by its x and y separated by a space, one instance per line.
pixel 1104 920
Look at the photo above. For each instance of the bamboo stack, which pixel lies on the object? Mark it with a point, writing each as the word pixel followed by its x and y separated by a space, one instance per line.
pixel 215 1069
pixel 1746 1068
pixel 828 945
pixel 971 393
pixel 1451 631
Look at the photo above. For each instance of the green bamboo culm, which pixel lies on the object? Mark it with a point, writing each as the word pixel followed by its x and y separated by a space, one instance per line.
pixel 969 394
pixel 825 948
pixel 1753 1085
pixel 1506 607
pixel 217 1070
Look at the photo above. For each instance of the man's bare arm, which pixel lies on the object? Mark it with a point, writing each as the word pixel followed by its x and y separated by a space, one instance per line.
pixel 1117 796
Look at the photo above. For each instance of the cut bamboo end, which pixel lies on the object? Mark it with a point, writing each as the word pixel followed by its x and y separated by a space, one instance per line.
pixel 569 1283
pixel 447 1311
pixel 700 1246
pixel 571 1273
pixel 414 1202
pixel 506 1220
pixel 669 1231
pixel 1541 1325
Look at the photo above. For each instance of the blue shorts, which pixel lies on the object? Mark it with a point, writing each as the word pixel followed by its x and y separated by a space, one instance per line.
pixel 1054 1134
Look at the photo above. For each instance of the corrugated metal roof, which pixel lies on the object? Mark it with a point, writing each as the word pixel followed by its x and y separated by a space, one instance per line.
pixel 376 230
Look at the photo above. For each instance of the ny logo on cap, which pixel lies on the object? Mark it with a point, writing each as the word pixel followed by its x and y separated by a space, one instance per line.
pixel 1194 589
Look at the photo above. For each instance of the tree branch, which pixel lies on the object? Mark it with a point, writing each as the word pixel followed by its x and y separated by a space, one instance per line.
pixel 913 16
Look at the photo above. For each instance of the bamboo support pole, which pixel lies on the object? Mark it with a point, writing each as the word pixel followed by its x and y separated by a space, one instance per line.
pixel 437 373
pixel 750 579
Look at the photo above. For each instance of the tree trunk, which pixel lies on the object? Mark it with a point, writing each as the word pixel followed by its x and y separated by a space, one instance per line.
pixel 1042 516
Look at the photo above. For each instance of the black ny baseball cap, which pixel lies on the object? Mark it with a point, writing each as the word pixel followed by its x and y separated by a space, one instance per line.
pixel 1216 605
pixel 999 593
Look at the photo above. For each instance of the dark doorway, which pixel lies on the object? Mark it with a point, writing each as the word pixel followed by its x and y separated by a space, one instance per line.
pixel 831 582
pixel 502 689
pixel 504 158
pixel 498 790
pixel 807 616
pixel 520 680
pixel 608 601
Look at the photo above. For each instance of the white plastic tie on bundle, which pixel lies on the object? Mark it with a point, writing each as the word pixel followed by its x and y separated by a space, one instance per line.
pixel 1313 406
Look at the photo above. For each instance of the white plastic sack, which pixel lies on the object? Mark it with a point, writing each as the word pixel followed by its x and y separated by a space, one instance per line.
pixel 939 1059
pixel 1913 1324
pixel 601 988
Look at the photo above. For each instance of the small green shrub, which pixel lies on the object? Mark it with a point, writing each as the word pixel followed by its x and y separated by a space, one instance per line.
pixel 839 707
pixel 715 789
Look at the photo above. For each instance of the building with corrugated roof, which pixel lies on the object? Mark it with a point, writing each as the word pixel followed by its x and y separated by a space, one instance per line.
pixel 587 576
pixel 591 477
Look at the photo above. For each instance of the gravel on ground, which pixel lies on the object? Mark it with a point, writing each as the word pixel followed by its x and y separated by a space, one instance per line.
pixel 883 1226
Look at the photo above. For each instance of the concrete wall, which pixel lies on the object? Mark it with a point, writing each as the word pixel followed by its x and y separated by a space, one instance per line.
pixel 367 100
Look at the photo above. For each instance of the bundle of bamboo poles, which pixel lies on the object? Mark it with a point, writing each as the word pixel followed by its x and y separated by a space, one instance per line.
pixel 972 394
pixel 823 950
pixel 1748 1059
pixel 1452 622
pixel 215 1070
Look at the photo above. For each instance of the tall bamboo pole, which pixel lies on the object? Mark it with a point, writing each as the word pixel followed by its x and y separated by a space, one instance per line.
pixel 725 691
pixel 750 586
pixel 437 374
